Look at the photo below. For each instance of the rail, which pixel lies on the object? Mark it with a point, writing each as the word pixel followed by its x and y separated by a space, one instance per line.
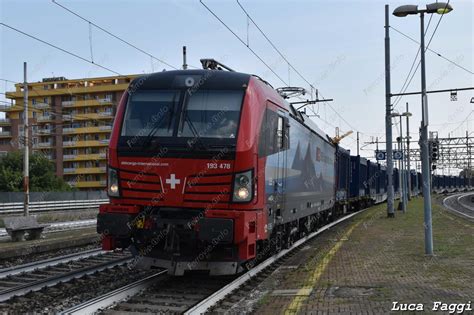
pixel 34 280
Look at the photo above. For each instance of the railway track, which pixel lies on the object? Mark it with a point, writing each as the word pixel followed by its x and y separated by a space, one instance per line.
pixel 160 293
pixel 460 204
pixel 20 280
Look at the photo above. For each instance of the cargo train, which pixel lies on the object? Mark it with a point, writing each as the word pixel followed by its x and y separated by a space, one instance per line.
pixel 212 170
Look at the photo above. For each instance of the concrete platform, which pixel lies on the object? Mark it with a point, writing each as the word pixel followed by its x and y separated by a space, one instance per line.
pixel 365 265
pixel 49 242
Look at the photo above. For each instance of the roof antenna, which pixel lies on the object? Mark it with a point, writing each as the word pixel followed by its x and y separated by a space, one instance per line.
pixel 185 65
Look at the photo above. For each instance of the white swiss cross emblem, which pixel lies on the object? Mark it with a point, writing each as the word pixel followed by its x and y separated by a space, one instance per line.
pixel 173 181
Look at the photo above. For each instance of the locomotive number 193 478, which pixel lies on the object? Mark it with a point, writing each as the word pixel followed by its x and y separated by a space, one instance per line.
pixel 224 166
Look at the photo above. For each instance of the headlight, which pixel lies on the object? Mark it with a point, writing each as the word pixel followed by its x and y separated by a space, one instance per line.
pixel 243 193
pixel 243 187
pixel 113 183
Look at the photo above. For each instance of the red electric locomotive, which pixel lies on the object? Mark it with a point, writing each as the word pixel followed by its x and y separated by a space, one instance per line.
pixel 211 170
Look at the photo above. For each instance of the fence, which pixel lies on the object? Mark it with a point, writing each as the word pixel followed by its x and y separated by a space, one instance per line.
pixel 8 197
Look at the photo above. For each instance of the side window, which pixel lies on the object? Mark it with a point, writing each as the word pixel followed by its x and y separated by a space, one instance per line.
pixel 279 133
pixel 274 134
pixel 283 135
pixel 286 133
pixel 268 131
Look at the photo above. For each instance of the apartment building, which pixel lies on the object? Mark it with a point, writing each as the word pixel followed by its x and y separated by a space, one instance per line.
pixel 70 123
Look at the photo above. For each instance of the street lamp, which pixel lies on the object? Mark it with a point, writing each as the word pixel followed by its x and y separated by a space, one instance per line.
pixel 402 174
pixel 402 11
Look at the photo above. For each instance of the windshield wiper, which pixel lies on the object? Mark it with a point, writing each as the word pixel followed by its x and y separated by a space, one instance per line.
pixel 195 132
pixel 146 142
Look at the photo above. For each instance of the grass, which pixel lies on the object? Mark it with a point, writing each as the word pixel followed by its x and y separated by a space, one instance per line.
pixel 452 238
pixel 388 254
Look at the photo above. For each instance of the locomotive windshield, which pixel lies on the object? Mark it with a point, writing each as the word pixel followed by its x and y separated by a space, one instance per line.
pixel 174 117
pixel 151 111
pixel 213 114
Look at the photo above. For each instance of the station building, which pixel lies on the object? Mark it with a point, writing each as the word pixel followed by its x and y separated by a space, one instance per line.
pixel 70 123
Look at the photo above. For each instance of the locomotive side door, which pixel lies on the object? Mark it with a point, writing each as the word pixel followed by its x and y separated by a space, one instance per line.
pixel 280 178
pixel 276 144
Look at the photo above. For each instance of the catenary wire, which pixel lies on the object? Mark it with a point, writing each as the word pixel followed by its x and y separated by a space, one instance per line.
pixel 113 35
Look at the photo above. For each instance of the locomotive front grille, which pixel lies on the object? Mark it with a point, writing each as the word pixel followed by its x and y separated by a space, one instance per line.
pixel 140 185
pixel 213 188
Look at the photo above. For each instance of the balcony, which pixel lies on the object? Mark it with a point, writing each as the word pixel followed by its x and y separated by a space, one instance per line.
pixel 87 143
pixel 78 89
pixel 84 157
pixel 104 141
pixel 4 121
pixel 105 101
pixel 88 184
pixel 67 117
pixel 41 105
pixel 106 114
pixel 44 131
pixel 5 134
pixel 93 116
pixel 69 143
pixel 68 103
pixel 42 145
pixel 79 130
pixel 84 170
pixel 45 118
pixel 87 103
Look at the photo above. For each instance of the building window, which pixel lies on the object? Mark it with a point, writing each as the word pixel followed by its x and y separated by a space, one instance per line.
pixel 33 101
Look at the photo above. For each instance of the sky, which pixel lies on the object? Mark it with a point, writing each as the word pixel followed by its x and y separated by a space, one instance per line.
pixel 338 46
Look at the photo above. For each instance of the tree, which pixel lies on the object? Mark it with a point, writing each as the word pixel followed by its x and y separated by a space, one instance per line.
pixel 467 173
pixel 42 176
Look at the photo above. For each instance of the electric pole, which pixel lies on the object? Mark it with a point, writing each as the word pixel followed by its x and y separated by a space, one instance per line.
pixel 26 180
pixel 357 143
pixel 408 155
pixel 425 162
pixel 388 118
pixel 403 188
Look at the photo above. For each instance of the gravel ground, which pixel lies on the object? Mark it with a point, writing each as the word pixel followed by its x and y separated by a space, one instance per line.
pixel 62 296
pixel 24 259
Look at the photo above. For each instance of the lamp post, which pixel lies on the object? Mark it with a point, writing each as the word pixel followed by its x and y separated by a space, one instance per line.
pixel 388 119
pixel 402 11
pixel 408 157
pixel 403 176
